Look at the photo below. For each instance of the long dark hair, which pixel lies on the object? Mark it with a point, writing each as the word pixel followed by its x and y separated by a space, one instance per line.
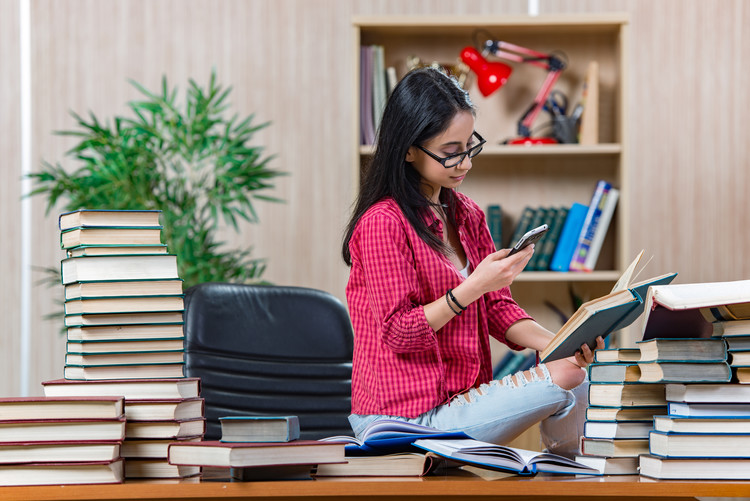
pixel 421 107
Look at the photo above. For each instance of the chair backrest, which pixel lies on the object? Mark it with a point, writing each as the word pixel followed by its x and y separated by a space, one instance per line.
pixel 270 350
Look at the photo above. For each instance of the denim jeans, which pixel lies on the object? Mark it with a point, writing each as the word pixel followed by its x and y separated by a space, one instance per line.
pixel 499 411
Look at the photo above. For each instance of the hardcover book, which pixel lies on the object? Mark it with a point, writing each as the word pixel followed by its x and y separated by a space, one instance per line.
pixel 94 217
pixel 154 409
pixel 186 387
pixel 695 424
pixel 124 304
pixel 239 455
pixel 613 372
pixel 715 393
pixel 142 371
pixel 626 394
pixel 702 445
pixel 58 452
pixel 99 472
pixel 127 267
pixel 625 465
pixel 568 239
pixel 99 407
pixel 125 332
pixel 127 346
pixel 109 250
pixel 614 447
pixel 53 430
pixel 77 237
pixel 694 468
pixel 259 428
pixel 682 350
pixel 617 429
pixel 604 315
pixel 692 372
pixel 108 288
pixel 134 318
pixel 165 429
pixel 590 223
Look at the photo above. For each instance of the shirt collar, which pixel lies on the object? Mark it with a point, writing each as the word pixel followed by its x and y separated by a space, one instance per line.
pixel 462 212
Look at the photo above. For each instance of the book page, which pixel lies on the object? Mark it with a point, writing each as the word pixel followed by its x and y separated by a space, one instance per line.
pixel 624 281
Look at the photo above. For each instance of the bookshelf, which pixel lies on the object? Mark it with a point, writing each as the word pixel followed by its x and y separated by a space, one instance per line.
pixel 543 175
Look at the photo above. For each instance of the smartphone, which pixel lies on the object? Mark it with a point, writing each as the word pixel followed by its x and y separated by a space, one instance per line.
pixel 529 238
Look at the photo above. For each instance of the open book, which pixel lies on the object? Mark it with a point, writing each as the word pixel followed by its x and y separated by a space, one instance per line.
pixel 386 436
pixel 690 310
pixel 501 457
pixel 604 315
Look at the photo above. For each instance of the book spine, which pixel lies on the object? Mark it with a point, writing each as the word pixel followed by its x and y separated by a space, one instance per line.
pixel 601 229
pixel 550 241
pixel 568 238
pixel 523 222
pixel 541 216
pixel 495 224
pixel 589 225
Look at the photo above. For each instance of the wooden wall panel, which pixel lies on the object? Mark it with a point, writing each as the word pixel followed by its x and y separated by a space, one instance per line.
pixel 10 204
pixel 289 63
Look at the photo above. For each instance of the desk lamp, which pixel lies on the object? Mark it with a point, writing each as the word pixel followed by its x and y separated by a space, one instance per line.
pixel 493 75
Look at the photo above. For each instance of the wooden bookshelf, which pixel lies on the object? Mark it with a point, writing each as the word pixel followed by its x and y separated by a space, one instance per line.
pixel 519 176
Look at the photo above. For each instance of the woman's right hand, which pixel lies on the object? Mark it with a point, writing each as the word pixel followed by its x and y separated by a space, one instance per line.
pixel 498 270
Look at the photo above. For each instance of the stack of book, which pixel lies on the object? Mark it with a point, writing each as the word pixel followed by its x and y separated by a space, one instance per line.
pixel 736 334
pixel 157 411
pixel 576 233
pixel 257 448
pixel 123 297
pixel 620 412
pixel 61 440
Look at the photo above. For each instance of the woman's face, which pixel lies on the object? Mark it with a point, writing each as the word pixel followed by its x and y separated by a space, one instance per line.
pixel 457 138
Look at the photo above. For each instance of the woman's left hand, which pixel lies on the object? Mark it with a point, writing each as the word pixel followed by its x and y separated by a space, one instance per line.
pixel 585 355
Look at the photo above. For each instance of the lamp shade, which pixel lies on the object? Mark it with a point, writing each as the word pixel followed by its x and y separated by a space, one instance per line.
pixel 490 76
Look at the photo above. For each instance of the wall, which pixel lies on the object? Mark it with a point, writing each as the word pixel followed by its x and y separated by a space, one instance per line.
pixel 289 62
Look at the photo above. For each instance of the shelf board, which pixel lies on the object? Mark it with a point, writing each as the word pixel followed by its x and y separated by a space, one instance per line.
pixel 540 151
pixel 554 276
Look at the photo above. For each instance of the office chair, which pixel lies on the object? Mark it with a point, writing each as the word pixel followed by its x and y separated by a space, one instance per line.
pixel 270 350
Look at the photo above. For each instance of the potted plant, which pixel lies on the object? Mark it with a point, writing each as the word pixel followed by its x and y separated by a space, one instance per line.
pixel 193 162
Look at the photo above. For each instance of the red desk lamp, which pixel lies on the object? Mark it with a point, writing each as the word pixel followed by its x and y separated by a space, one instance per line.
pixel 493 75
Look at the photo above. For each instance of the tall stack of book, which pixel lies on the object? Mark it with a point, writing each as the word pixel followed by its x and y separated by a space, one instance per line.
pixel 706 431
pixel 620 412
pixel 61 440
pixel 123 314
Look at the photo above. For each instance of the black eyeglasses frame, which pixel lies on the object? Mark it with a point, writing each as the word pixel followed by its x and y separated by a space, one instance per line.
pixel 471 152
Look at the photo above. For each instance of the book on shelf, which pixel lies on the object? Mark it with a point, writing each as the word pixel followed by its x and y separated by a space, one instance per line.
pixel 120 235
pixel 379 91
pixel 99 407
pixel 133 318
pixel 691 372
pixel 549 243
pixel 124 358
pixel 99 217
pixel 501 457
pixel 590 224
pixel 689 310
pixel 141 371
pixel 151 448
pixel 186 387
pixel 694 468
pixel 390 435
pixel 71 429
pixel 589 120
pixel 246 454
pixel 541 216
pixel 109 288
pixel 126 332
pixel 523 224
pixel 708 409
pixel 124 304
pixel 708 424
pixel 58 452
pixel 366 123
pixel 495 224
pixel 729 328
pixel 123 267
pixel 614 447
pixel 606 355
pixel 603 315
pixel 152 409
pixel 172 428
pixel 624 465
pixel 108 250
pixel 600 231
pixel 682 350
pixel 617 429
pixel 93 472
pixel 566 242
pixel 709 392
pixel 613 372
pixel 726 445
pixel 158 468
pixel 127 346
pixel 646 413
pixel 399 464
pixel 259 428
pixel 517 361
pixel 626 394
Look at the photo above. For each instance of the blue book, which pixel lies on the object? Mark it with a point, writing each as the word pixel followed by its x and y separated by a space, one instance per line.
pixel 566 244
pixel 590 223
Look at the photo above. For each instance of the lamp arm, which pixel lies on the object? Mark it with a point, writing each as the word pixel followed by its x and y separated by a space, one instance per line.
pixel 524 123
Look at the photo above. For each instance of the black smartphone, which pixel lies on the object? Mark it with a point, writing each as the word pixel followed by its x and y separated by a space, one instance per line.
pixel 529 238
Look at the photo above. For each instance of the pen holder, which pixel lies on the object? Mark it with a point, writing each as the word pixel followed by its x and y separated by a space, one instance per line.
pixel 565 129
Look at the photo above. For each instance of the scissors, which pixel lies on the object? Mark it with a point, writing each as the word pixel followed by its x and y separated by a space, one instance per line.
pixel 556 104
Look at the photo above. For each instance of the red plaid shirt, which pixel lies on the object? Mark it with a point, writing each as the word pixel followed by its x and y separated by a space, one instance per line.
pixel 401 366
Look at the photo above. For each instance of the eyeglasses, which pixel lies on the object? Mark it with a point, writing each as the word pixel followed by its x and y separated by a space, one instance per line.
pixel 457 158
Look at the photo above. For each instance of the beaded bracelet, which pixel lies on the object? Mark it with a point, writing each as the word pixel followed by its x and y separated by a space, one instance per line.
pixel 450 306
pixel 453 298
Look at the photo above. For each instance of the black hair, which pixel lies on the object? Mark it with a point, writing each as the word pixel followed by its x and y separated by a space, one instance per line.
pixel 421 107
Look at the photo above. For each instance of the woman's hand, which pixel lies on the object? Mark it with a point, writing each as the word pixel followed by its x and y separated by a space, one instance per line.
pixel 498 270
pixel 585 355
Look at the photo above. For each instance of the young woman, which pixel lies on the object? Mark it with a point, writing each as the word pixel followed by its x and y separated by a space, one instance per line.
pixel 427 288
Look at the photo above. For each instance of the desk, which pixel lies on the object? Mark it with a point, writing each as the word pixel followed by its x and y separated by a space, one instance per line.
pixel 392 489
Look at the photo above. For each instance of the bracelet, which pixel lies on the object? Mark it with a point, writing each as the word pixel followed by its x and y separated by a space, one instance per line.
pixel 451 307
pixel 453 298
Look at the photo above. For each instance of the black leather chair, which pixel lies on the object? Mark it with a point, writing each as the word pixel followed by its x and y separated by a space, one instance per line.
pixel 270 350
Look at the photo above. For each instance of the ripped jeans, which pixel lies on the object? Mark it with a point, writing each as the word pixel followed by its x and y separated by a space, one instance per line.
pixel 499 411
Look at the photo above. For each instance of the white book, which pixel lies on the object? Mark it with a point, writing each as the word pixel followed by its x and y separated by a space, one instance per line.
pixel 601 229
pixel 119 267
